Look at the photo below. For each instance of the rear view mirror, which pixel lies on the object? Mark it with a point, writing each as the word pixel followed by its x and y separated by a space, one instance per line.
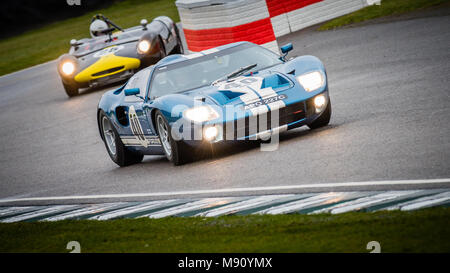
pixel 74 42
pixel 286 48
pixel 132 92
pixel 144 23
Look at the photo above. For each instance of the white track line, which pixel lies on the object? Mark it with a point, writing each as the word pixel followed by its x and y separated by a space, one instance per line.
pixel 234 190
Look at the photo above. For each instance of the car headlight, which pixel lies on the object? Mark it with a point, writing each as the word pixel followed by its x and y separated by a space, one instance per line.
pixel 201 113
pixel 143 46
pixel 68 68
pixel 311 81
pixel 210 133
pixel 320 102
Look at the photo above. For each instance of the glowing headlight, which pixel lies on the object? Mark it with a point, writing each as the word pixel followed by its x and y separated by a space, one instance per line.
pixel 201 114
pixel 143 46
pixel 320 102
pixel 68 68
pixel 311 81
pixel 210 133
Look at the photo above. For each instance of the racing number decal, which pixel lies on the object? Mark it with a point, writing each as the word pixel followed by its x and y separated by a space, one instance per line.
pixel 138 138
pixel 136 127
pixel 108 50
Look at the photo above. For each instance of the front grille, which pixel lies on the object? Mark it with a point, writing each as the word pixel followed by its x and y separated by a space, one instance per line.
pixel 292 113
pixel 108 71
pixel 255 124
pixel 310 108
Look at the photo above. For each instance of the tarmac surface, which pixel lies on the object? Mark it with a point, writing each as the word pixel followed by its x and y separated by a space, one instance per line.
pixel 389 87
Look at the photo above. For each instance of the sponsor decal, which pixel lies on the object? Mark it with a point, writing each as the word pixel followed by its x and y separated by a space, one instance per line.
pixel 108 51
pixel 265 101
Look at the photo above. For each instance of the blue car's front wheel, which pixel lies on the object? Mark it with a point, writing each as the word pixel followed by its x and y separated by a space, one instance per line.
pixel 176 151
pixel 114 145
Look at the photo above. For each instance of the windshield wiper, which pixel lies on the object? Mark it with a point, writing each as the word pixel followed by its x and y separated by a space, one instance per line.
pixel 236 73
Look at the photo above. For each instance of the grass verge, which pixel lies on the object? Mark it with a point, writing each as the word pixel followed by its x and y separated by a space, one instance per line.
pixel 49 42
pixel 425 230
pixel 387 7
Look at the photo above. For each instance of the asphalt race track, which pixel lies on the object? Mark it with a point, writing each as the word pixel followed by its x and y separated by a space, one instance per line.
pixel 389 86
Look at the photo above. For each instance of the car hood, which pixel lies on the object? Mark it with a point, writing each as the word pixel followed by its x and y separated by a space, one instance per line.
pixel 242 90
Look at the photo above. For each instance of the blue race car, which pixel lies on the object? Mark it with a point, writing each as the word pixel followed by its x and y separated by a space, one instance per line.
pixel 239 91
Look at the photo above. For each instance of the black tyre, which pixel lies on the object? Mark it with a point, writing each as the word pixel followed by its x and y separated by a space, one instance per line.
pixel 179 47
pixel 114 145
pixel 177 152
pixel 71 90
pixel 324 119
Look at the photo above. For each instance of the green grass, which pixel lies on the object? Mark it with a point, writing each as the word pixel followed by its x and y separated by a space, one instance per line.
pixel 387 7
pixel 418 231
pixel 49 42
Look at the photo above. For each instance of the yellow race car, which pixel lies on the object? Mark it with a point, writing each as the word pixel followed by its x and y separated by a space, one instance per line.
pixel 114 54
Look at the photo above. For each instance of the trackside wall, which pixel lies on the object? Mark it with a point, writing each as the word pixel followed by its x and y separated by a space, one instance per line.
pixel 211 23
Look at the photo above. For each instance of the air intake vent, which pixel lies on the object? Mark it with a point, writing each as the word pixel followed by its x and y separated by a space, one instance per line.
pixel 108 71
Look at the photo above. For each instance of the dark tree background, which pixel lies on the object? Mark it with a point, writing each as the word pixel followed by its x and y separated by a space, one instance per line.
pixel 17 16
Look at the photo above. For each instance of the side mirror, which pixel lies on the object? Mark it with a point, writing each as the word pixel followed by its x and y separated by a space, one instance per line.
pixel 286 48
pixel 144 23
pixel 74 42
pixel 132 92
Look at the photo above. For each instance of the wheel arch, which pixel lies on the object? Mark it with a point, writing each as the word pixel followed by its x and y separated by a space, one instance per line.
pixel 99 112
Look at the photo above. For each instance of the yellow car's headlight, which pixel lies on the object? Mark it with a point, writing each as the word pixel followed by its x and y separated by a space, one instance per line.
pixel 311 81
pixel 201 114
pixel 143 46
pixel 68 68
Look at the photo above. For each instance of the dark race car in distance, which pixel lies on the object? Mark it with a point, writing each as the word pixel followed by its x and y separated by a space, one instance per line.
pixel 115 54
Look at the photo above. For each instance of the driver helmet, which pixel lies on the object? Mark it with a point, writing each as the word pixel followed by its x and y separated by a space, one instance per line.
pixel 97 27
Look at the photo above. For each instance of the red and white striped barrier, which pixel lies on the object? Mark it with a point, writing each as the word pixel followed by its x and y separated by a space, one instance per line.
pixel 211 23
pixel 207 25
pixel 291 15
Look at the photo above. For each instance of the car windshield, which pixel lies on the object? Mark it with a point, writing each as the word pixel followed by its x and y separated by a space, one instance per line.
pixel 93 45
pixel 204 70
pixel 90 47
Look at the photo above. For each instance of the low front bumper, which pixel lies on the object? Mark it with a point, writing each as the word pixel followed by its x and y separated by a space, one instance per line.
pixel 262 126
